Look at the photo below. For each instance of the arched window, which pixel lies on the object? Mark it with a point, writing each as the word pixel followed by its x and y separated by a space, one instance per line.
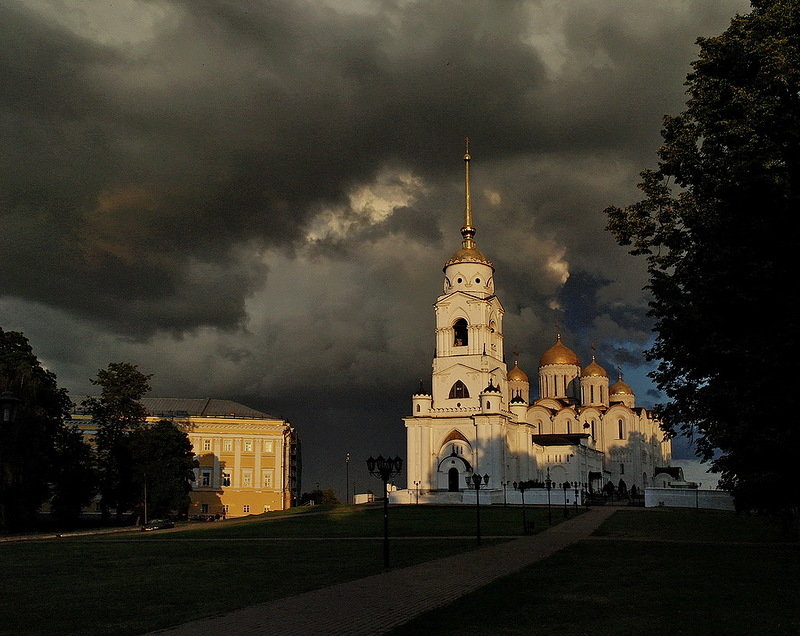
pixel 459 390
pixel 621 431
pixel 460 337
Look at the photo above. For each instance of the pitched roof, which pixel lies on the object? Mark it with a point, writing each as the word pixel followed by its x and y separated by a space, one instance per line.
pixel 200 407
pixel 195 407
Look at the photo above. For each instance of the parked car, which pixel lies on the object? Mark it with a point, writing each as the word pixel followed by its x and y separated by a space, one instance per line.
pixel 157 524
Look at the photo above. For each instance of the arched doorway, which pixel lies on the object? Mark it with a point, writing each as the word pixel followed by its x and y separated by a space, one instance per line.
pixel 452 480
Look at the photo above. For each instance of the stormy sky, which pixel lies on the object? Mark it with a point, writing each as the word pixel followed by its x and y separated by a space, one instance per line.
pixel 253 200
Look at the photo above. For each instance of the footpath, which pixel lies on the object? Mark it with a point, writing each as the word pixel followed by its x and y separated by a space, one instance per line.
pixel 378 603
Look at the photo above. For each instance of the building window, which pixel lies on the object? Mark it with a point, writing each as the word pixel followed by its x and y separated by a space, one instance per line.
pixel 460 330
pixel 246 508
pixel 206 444
pixel 204 508
pixel 247 479
pixel 227 445
pixel 225 509
pixel 569 427
pixel 269 446
pixel 622 469
pixel 205 478
pixel 226 478
pixel 593 437
pixel 266 478
pixel 459 390
pixel 248 446
pixel 621 429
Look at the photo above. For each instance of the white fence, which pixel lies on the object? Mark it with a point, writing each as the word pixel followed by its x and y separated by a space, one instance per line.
pixel 533 497
pixel 688 498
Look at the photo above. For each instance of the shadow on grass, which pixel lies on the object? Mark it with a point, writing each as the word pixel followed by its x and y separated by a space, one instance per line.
pixel 137 582
pixel 714 585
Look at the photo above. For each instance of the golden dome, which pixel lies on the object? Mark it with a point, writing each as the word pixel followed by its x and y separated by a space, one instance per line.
pixel 516 374
pixel 594 370
pixel 469 255
pixel 620 388
pixel 559 354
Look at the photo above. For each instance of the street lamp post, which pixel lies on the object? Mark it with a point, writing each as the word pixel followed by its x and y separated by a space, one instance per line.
pixel 347 478
pixel 522 487
pixel 145 500
pixel 505 499
pixel 549 485
pixel 385 469
pixel 476 481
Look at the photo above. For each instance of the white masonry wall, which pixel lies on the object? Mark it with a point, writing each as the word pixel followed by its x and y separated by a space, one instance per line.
pixel 688 498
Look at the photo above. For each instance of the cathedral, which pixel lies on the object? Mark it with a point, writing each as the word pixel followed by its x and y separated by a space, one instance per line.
pixel 480 418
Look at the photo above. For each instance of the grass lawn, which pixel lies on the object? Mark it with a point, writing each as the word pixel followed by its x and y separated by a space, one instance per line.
pixel 693 525
pixel 404 521
pixel 708 583
pixel 132 583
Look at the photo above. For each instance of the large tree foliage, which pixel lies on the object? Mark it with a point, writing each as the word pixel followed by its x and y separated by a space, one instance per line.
pixel 163 465
pixel 74 473
pixel 29 446
pixel 718 228
pixel 116 413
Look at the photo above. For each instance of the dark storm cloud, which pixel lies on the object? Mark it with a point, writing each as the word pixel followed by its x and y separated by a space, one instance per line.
pixel 137 166
pixel 139 170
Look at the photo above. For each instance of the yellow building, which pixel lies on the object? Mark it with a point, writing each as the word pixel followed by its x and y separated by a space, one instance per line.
pixel 249 461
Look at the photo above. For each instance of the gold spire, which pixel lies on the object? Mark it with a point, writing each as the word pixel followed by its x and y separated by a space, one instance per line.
pixel 469 252
pixel 468 232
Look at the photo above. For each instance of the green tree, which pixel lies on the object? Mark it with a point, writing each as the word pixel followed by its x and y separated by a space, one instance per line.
pixel 718 229
pixel 326 497
pixel 162 463
pixel 74 473
pixel 117 412
pixel 28 449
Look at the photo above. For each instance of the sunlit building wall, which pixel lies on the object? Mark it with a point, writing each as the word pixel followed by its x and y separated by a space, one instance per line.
pixel 248 461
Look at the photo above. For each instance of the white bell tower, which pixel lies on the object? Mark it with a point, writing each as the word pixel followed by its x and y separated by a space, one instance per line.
pixel 469 323
pixel 464 425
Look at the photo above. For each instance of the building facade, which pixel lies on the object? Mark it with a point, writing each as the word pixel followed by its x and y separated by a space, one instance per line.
pixel 248 461
pixel 480 417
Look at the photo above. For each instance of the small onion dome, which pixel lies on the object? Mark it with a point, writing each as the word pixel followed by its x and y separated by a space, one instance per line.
pixel 491 388
pixel 469 255
pixel 559 354
pixel 620 388
pixel 518 399
pixel 516 374
pixel 594 370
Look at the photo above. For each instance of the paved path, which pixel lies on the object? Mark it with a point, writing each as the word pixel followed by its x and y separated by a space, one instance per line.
pixel 376 604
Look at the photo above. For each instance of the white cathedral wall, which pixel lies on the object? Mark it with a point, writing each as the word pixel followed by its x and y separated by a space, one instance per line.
pixel 497 446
